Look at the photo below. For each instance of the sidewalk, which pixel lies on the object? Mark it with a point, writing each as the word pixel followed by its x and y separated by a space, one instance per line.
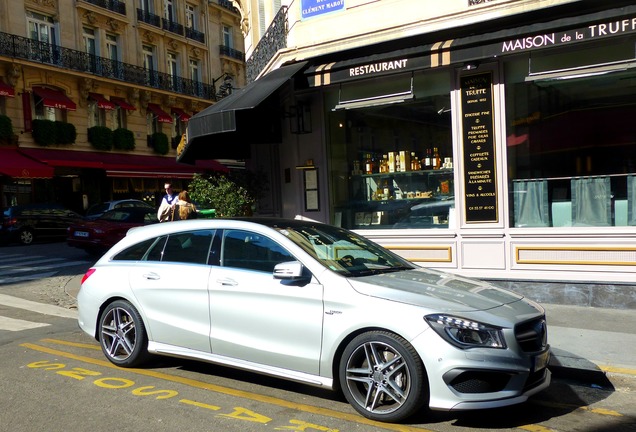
pixel 593 345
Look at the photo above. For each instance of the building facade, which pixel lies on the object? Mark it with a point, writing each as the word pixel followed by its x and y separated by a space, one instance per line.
pixel 95 95
pixel 487 138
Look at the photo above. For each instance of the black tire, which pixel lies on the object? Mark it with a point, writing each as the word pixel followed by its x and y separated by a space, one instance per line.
pixel 382 377
pixel 122 335
pixel 26 236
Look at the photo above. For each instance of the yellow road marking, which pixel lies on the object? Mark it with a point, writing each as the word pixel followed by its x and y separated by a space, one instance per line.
pixel 613 369
pixel 535 428
pixel 225 390
pixel 601 411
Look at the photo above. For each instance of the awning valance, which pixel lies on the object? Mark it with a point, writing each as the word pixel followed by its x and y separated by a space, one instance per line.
pixel 54 98
pixel 121 164
pixel 102 102
pixel 16 165
pixel 6 90
pixel 123 103
pixel 160 114
pixel 216 131
pixel 183 116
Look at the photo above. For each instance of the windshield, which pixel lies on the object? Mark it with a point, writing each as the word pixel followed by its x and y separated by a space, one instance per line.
pixel 343 251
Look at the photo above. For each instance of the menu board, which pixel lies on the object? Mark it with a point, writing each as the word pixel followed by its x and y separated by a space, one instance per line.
pixel 480 183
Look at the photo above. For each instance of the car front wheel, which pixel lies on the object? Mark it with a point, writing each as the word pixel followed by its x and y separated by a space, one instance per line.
pixel 122 335
pixel 26 236
pixel 382 377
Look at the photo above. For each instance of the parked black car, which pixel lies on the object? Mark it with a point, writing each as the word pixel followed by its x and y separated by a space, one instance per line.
pixel 25 223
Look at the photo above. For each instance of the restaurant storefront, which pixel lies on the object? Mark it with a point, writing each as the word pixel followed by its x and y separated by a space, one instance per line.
pixel 508 155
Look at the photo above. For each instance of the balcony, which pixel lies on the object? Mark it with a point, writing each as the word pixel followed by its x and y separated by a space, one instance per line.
pixel 172 26
pixel 274 39
pixel 194 35
pixel 231 52
pixel 111 5
pixel 19 47
pixel 148 18
pixel 227 4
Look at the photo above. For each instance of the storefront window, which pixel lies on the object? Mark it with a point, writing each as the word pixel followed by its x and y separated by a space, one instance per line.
pixel 390 150
pixel 571 140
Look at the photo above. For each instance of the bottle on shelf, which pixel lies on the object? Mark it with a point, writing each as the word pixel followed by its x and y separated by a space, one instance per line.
pixel 368 164
pixel 415 162
pixel 427 159
pixel 436 159
pixel 384 164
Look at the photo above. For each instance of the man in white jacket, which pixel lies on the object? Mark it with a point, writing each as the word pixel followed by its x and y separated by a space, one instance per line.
pixel 167 203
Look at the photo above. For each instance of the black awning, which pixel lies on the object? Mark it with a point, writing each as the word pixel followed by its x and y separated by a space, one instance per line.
pixel 225 129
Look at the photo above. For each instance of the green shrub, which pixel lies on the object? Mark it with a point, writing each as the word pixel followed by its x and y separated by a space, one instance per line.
pixel 123 139
pixel 65 133
pixel 160 143
pixel 44 132
pixel 6 127
pixel 100 137
pixel 221 193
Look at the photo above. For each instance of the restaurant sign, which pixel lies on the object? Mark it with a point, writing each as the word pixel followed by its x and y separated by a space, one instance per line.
pixel 480 185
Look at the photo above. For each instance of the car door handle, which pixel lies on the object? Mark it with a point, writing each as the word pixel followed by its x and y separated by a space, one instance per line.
pixel 152 276
pixel 227 282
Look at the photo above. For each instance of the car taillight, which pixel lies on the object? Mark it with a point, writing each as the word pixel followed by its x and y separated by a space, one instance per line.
pixel 9 221
pixel 87 275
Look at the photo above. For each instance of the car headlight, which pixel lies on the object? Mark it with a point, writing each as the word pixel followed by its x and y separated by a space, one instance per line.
pixel 464 333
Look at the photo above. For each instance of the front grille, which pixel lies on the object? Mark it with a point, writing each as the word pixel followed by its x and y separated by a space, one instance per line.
pixel 532 336
pixel 480 382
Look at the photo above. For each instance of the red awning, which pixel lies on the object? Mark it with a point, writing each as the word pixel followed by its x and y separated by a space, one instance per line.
pixel 14 164
pixel 122 164
pixel 6 90
pixel 102 102
pixel 123 103
pixel 54 98
pixel 161 115
pixel 183 116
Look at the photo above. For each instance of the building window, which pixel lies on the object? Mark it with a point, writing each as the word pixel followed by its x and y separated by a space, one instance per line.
pixel 113 67
pixel 195 77
pixel 146 6
pixel 119 118
pixel 173 70
pixel 191 17
pixel 150 65
pixel 570 138
pixel 41 28
pixel 90 48
pixel 46 113
pixel 168 10
pixel 396 158
pixel 96 115
pixel 227 37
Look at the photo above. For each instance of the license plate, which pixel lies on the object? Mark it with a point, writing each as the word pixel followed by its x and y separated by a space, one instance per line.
pixel 540 361
pixel 81 234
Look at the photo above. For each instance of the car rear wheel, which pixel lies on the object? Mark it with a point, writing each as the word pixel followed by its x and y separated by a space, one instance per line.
pixel 26 236
pixel 122 335
pixel 382 377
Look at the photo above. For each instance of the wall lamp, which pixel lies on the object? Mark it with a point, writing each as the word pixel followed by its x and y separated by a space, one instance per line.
pixel 225 88
pixel 299 118
pixel 468 66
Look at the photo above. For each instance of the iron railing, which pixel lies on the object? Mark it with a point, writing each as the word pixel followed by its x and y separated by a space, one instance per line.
pixel 64 58
pixel 194 35
pixel 148 18
pixel 274 39
pixel 231 52
pixel 227 4
pixel 111 5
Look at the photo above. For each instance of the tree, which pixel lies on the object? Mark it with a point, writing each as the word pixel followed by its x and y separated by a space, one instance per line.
pixel 230 195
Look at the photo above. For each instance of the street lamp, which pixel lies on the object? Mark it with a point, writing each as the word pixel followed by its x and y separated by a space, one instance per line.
pixel 225 89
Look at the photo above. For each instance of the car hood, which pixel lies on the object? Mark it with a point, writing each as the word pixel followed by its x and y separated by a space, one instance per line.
pixel 440 291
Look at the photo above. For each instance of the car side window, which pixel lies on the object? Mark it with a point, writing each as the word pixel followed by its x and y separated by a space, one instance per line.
pixel 250 251
pixel 188 247
pixel 137 252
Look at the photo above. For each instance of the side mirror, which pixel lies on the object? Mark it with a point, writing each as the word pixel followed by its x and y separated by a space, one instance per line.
pixel 290 270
